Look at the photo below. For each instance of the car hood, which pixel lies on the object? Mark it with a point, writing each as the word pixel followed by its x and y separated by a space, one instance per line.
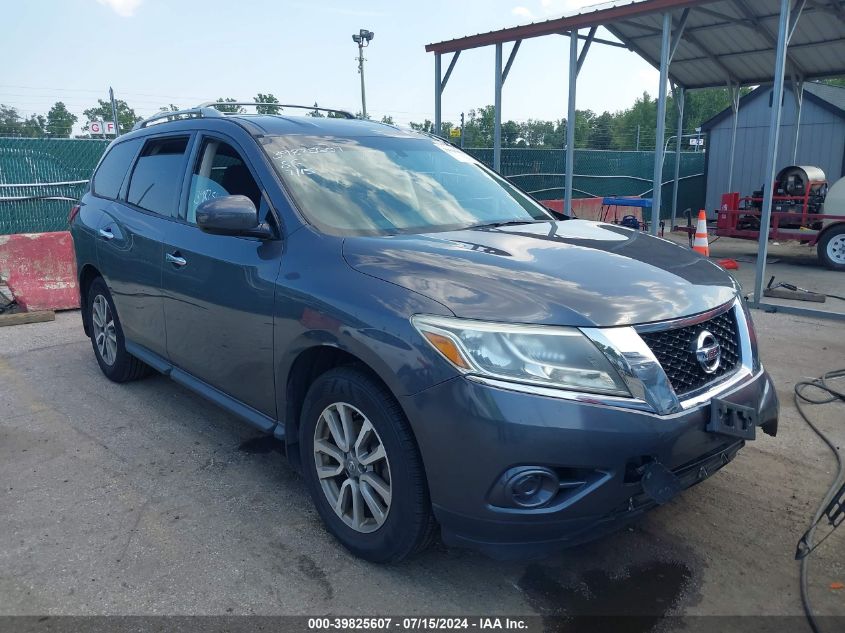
pixel 571 272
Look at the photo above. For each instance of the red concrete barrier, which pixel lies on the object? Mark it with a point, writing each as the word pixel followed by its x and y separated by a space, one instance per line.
pixel 40 270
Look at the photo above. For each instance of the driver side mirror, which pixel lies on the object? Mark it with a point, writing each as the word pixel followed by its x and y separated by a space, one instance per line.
pixel 231 215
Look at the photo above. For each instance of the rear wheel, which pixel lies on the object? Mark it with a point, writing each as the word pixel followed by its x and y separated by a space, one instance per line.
pixel 362 467
pixel 107 337
pixel 831 247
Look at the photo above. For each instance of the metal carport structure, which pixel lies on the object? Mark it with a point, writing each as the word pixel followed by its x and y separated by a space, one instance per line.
pixel 694 44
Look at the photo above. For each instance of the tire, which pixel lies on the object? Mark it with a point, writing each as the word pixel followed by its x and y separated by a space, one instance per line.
pixel 116 363
pixel 831 247
pixel 407 525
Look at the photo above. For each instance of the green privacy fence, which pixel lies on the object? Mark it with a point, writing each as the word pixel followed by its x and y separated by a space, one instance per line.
pixel 40 179
pixel 600 173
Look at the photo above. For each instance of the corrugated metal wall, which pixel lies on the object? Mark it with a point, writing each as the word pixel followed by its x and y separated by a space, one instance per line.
pixel 821 143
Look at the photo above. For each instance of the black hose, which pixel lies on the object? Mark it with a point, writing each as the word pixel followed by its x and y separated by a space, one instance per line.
pixel 806 545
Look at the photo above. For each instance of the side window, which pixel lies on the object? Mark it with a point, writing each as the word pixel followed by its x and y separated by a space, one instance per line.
pixel 157 176
pixel 113 168
pixel 220 171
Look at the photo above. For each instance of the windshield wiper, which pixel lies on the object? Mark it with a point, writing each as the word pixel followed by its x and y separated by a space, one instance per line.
pixel 493 225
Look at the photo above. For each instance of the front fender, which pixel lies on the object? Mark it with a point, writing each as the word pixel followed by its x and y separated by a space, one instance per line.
pixel 321 301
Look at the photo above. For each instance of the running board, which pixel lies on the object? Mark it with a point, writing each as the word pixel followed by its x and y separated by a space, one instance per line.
pixel 254 417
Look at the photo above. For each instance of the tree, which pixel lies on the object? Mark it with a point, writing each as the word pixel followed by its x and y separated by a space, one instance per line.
pixel 536 133
pixel 607 131
pixel 266 98
pixel 126 116
pixel 387 119
pixel 35 126
pixel 601 134
pixel 479 127
pixel 60 121
pixel 10 121
pixel 315 112
pixel 426 126
pixel 232 109
pixel 168 108
pixel 510 134
pixel 584 120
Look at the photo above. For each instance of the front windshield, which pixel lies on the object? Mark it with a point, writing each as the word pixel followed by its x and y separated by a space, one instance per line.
pixel 381 185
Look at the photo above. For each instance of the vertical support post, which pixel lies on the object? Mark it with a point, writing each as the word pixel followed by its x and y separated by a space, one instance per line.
pixel 463 128
pixel 798 93
pixel 661 124
pixel 680 97
pixel 734 124
pixel 114 113
pixel 570 121
pixel 638 137
pixel 497 112
pixel 438 92
pixel 361 72
pixel 771 157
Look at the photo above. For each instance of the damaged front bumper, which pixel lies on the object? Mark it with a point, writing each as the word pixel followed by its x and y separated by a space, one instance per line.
pixel 612 463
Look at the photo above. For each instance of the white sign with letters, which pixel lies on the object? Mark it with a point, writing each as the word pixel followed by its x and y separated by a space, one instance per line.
pixel 101 127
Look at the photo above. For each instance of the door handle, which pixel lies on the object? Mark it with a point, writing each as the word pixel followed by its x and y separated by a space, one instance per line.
pixel 176 259
pixel 106 233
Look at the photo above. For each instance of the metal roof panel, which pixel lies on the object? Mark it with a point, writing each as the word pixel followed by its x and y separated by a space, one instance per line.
pixel 725 40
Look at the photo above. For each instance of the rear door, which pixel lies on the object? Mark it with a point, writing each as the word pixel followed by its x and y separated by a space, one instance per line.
pixel 132 234
pixel 219 290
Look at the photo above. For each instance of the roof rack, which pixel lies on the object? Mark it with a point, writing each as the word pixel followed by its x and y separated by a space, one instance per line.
pixel 172 115
pixel 216 104
pixel 210 109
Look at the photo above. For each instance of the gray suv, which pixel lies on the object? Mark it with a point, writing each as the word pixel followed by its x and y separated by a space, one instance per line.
pixel 436 351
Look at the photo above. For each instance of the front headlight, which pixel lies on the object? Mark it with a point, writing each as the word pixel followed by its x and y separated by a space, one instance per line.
pixel 546 356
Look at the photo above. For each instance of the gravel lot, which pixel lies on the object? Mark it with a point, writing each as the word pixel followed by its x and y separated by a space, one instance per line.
pixel 145 499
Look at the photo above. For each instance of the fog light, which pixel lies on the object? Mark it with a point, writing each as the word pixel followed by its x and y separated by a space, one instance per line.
pixel 530 487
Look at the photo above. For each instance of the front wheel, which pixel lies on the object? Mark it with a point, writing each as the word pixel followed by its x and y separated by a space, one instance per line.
pixel 362 467
pixel 831 247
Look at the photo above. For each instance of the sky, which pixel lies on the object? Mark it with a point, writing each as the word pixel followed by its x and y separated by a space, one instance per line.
pixel 157 52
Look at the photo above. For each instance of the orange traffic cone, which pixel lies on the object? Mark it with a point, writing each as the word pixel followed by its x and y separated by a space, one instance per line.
pixel 700 244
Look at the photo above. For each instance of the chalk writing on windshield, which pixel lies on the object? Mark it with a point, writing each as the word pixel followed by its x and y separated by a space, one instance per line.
pixel 305 150
pixel 293 168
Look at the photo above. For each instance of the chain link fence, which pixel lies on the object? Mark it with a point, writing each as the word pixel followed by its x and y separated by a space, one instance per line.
pixel 41 178
pixel 600 173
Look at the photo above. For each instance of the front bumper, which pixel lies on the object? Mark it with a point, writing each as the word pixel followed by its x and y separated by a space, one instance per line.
pixel 470 433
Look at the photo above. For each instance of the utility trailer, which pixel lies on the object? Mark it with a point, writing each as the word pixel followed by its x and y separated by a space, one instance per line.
pixel 804 208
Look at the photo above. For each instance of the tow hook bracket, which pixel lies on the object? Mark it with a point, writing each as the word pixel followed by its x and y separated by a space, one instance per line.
pixel 732 419
pixel 660 483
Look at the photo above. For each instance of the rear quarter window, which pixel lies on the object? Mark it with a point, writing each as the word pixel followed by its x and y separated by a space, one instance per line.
pixel 113 168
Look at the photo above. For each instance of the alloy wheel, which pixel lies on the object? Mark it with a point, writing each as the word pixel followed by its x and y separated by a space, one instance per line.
pixel 104 333
pixel 352 467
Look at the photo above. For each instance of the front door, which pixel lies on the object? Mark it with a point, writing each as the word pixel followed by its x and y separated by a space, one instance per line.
pixel 219 290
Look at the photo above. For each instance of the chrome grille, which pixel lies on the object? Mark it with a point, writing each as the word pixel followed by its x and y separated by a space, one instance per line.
pixel 674 349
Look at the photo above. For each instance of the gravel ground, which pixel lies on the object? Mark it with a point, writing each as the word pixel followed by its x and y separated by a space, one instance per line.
pixel 144 499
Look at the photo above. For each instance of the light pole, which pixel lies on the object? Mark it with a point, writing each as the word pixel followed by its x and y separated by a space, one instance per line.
pixel 362 39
